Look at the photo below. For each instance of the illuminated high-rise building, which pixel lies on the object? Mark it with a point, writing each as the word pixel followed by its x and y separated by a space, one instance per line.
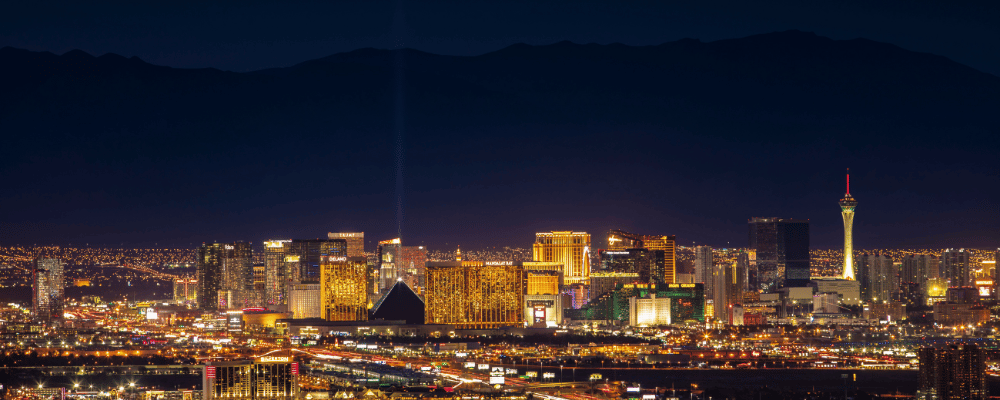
pixel 304 257
pixel 185 291
pixel 277 275
pixel 541 266
pixel 934 267
pixel 225 275
pixel 304 300
pixel 729 282
pixel 880 283
pixel 649 311
pixel 915 267
pixel 237 276
pixel 475 294
pixel 48 297
pixel 355 242
pixel 209 264
pixel 662 267
pixel 982 278
pixel 410 267
pixel 605 282
pixel 703 268
pixel 955 266
pixel 952 372
pixel 847 205
pixel 388 256
pixel 256 296
pixel 630 261
pixel 263 378
pixel 915 272
pixel 342 288
pixel 542 282
pixel 572 249
pixel 576 295
pixel 543 302
pixel 779 253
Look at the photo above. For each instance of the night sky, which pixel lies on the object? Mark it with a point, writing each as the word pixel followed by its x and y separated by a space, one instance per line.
pixel 497 180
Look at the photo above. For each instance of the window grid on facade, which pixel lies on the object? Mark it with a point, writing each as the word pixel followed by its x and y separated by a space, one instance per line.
pixel 570 248
pixel 473 295
pixel 343 289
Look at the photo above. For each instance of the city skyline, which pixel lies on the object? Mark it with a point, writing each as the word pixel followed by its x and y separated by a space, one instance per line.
pixel 569 200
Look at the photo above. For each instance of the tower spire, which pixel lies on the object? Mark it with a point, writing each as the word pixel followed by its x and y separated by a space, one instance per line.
pixel 847 205
pixel 848 182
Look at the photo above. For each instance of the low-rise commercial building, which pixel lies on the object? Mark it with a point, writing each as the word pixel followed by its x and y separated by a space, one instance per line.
pixel 319 326
pixel 849 291
pixel 960 314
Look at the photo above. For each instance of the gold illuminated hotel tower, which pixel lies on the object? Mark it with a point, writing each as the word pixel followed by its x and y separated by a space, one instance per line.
pixel 343 288
pixel 847 205
pixel 355 242
pixel 572 249
pixel 475 294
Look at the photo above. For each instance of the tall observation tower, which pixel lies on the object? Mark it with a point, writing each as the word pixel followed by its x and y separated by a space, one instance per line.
pixel 847 205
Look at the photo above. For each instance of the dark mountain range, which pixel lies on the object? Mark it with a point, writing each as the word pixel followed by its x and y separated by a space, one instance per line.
pixel 686 138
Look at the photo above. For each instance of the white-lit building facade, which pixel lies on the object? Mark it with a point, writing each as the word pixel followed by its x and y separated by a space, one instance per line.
pixel 649 311
pixel 304 301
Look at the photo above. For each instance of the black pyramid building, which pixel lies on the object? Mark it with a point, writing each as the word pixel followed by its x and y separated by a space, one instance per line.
pixel 400 303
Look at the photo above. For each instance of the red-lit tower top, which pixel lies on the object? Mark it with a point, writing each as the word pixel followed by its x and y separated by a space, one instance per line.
pixel 848 203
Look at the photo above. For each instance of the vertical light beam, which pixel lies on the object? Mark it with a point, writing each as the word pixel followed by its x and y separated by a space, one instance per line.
pixel 399 29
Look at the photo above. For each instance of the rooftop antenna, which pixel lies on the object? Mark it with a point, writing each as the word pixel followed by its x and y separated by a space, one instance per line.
pixel 848 182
